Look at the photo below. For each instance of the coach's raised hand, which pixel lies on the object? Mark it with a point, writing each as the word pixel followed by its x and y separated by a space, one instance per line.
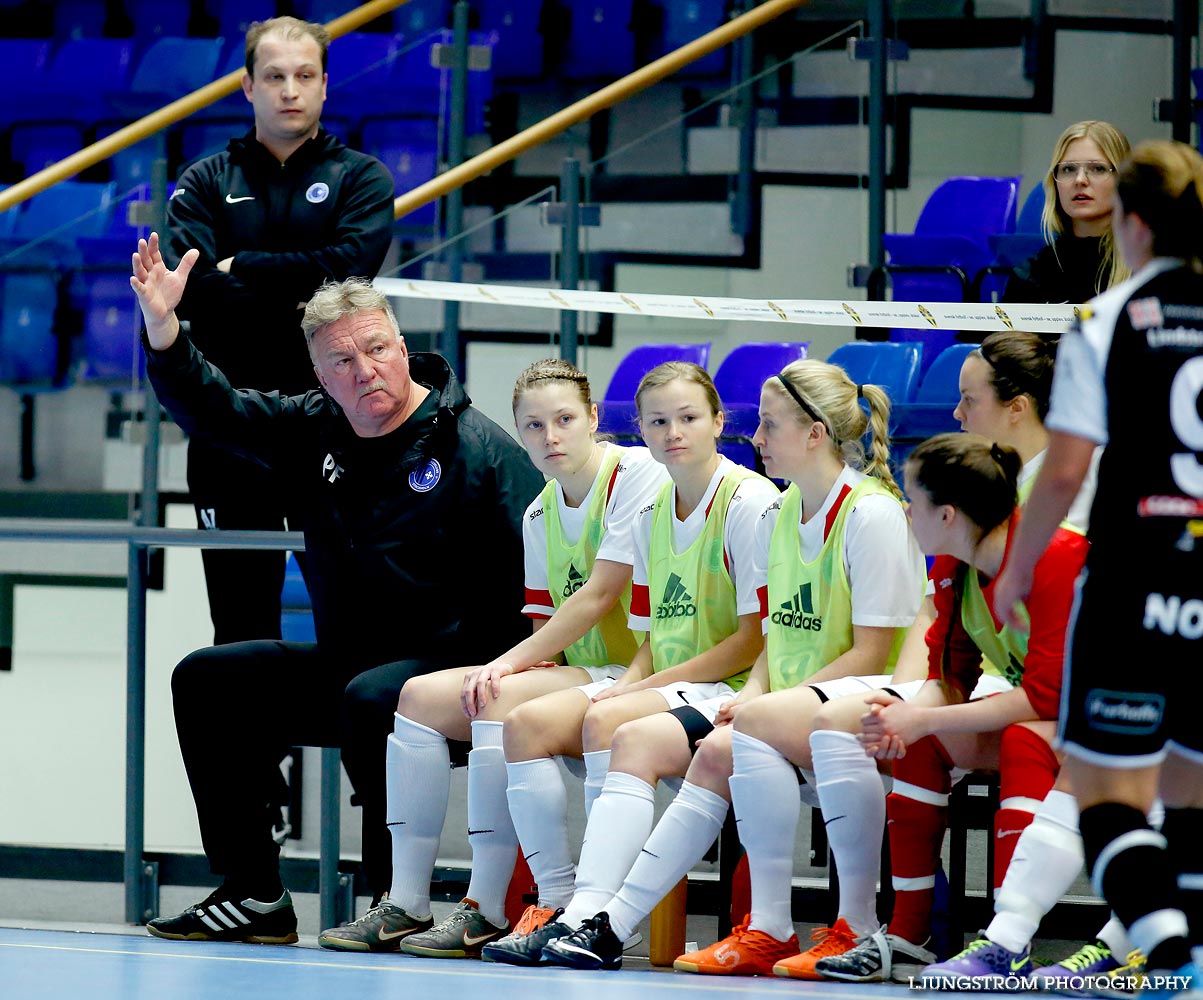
pixel 159 290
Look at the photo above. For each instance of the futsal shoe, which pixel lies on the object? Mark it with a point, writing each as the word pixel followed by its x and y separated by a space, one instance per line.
pixel 1092 962
pixel 593 945
pixel 983 965
pixel 1185 983
pixel 880 957
pixel 380 929
pixel 834 940
pixel 537 929
pixel 460 935
pixel 219 917
pixel 743 952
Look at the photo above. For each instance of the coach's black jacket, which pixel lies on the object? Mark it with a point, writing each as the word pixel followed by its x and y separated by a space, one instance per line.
pixel 414 539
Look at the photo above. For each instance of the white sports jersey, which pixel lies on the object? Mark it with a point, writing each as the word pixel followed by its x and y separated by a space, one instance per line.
pixel 1079 510
pixel 1079 402
pixel 880 551
pixel 739 538
pixel 636 481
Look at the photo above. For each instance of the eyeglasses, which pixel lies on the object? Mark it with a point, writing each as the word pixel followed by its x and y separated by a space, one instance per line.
pixel 1067 171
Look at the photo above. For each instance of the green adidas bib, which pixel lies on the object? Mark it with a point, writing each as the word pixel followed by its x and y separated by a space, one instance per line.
pixel 810 603
pixel 569 567
pixel 1005 649
pixel 692 596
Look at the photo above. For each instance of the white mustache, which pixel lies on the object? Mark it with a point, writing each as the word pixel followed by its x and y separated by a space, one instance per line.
pixel 378 384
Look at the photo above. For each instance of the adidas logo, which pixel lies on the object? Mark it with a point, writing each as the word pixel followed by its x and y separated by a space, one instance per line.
pixel 575 581
pixel 798 612
pixel 677 602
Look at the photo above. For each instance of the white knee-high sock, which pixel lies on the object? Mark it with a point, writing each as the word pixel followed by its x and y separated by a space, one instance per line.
pixel 617 829
pixel 539 809
pixel 854 811
pixel 597 765
pixel 418 779
pixel 764 794
pixel 686 829
pixel 490 831
pixel 1047 859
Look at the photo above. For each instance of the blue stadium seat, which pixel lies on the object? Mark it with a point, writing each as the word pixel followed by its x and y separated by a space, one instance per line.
pixel 402 81
pixel 168 70
pixel 739 378
pixel 8 218
pixel 322 11
pixel 952 230
pixel 1012 249
pixel 80 76
pixel 75 19
pixel 409 148
pixel 235 16
pixel 132 165
pixel 420 17
pixel 199 139
pixel 600 42
pixel 111 352
pixel 23 63
pixel 937 396
pixel 893 365
pixel 518 51
pixel 29 351
pixel 362 65
pixel 155 19
pixel 684 20
pixel 37 146
pixel 618 415
pixel 73 208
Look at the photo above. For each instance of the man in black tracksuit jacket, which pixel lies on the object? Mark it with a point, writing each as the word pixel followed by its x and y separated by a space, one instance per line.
pixel 282 209
pixel 412 502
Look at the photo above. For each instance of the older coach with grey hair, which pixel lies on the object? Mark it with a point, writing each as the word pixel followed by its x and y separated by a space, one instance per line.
pixel 411 502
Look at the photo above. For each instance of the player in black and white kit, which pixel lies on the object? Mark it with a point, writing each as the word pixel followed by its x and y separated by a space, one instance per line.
pixel 1130 378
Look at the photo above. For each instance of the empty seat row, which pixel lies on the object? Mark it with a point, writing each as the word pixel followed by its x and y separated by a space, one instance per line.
pixel 93 80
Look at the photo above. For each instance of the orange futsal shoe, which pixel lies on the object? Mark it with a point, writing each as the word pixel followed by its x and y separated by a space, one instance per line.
pixel 533 917
pixel 742 953
pixel 828 941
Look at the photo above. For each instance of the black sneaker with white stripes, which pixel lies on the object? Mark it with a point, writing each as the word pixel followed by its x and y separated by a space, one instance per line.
pixel 219 918
pixel 593 945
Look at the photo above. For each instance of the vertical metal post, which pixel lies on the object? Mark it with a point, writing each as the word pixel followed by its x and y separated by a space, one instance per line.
pixel 878 20
pixel 137 908
pixel 152 413
pixel 1186 22
pixel 744 106
pixel 141 897
pixel 451 346
pixel 328 851
pixel 570 252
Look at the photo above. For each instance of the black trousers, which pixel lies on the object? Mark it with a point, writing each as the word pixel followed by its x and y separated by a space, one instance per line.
pixel 231 492
pixel 239 707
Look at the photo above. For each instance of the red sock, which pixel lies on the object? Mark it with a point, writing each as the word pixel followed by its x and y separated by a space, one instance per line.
pixel 1027 769
pixel 918 815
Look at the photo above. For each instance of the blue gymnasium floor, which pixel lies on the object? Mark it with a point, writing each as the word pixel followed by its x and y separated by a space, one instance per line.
pixel 49 965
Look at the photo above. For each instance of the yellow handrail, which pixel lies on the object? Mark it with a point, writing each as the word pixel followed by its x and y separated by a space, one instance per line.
pixel 553 125
pixel 168 115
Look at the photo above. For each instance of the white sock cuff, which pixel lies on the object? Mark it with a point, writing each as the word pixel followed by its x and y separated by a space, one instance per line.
pixel 832 741
pixel 702 800
pixel 597 763
pixel 745 746
pixel 529 773
pixel 486 734
pixel 621 783
pixel 408 731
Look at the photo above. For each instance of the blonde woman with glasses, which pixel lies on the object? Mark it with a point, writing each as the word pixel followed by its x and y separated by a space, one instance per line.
pixel 1079 260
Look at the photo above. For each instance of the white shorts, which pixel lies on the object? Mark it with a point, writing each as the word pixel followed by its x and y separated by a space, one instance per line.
pixel 704 698
pixel 840 687
pixel 603 677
